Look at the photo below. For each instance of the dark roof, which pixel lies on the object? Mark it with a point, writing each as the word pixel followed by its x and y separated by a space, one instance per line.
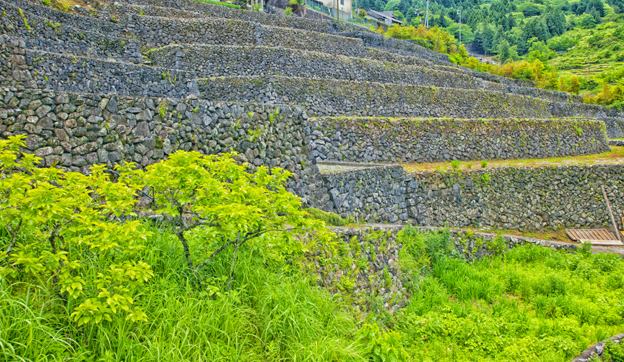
pixel 383 15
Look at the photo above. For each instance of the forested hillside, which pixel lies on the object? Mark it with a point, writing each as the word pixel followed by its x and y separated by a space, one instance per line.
pixel 564 45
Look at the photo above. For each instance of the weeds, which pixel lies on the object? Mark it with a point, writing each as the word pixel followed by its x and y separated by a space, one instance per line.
pixel 526 303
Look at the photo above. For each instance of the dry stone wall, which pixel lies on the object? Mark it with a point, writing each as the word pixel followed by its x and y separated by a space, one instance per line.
pixel 444 139
pixel 328 97
pixel 335 98
pixel 39 33
pixel 82 23
pixel 321 97
pixel 91 75
pixel 213 60
pixel 371 39
pixel 159 31
pixel 76 131
pixel 510 197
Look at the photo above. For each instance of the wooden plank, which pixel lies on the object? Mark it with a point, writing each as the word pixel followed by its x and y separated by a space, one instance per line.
pixel 593 235
pixel 611 214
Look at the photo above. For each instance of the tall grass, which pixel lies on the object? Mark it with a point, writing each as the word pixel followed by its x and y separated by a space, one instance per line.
pixel 529 304
pixel 269 314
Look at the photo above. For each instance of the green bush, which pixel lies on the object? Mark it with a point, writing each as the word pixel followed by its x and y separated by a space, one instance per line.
pixel 613 352
pixel 328 217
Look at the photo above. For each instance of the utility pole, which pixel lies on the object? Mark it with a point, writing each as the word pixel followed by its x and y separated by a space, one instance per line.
pixel 337 11
pixel 459 12
pixel 427 16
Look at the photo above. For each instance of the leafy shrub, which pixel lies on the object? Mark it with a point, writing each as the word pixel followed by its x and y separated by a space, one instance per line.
pixel 382 346
pixel 613 352
pixel 213 204
pixel 455 164
pixel 421 249
pixel 483 164
pixel 72 229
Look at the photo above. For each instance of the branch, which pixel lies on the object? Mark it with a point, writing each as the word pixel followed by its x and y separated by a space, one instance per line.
pixel 248 236
pixel 214 254
pixel 229 287
pixel 13 237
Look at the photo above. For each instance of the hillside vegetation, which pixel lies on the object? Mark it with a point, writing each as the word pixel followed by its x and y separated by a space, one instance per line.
pixel 222 270
pixel 547 41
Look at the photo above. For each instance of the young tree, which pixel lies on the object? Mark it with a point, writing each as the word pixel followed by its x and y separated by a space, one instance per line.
pixel 67 228
pixel 504 52
pixel 606 96
pixel 575 85
pixel 214 205
pixel 562 87
pixel 618 93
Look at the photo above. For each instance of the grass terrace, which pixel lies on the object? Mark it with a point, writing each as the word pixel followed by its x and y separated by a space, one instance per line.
pixel 615 156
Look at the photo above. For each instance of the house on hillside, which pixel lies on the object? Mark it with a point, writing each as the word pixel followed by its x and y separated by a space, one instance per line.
pixel 345 7
pixel 386 17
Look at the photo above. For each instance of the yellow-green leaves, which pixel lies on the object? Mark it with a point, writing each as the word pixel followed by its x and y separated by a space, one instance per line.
pixel 71 230
pixel 214 204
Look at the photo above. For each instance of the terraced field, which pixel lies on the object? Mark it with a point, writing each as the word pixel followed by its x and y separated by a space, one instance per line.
pixel 374 129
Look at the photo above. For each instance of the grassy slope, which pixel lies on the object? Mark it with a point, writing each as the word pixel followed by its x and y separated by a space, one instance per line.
pixel 269 315
pixel 606 55
pixel 530 304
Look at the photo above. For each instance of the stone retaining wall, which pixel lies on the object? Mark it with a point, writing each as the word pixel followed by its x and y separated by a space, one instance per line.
pixel 89 75
pixel 594 353
pixel 510 197
pixel 82 23
pixel 76 131
pixel 325 97
pixel 330 27
pixel 158 31
pixel 246 61
pixel 328 97
pixel 433 140
pixel 39 33
pixel 191 9
pixel 321 97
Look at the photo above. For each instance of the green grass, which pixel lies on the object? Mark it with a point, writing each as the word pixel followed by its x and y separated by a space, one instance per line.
pixel 529 304
pixel 227 5
pixel 328 217
pixel 615 156
pixel 271 313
